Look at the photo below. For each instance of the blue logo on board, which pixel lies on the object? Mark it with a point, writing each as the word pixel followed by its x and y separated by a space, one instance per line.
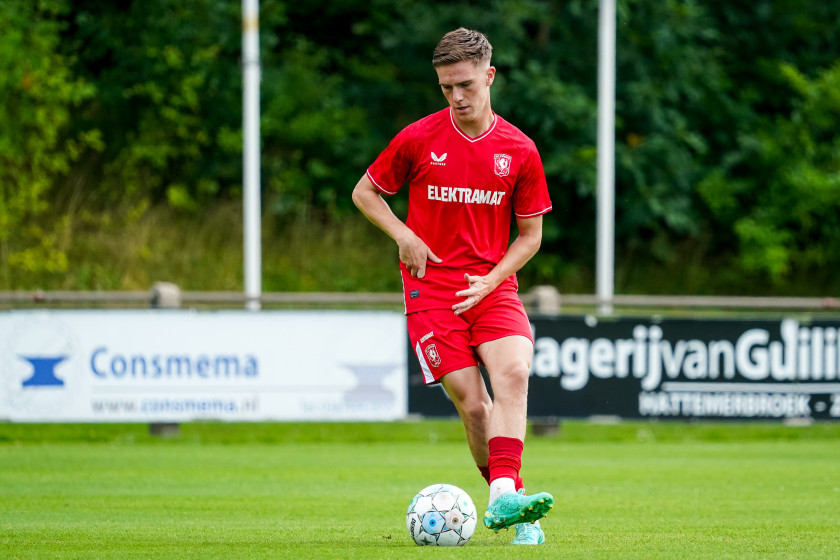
pixel 43 374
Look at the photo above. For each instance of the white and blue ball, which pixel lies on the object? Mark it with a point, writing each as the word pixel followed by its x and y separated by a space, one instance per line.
pixel 441 515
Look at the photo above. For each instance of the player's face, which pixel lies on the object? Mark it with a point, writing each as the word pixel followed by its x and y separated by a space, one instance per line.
pixel 467 89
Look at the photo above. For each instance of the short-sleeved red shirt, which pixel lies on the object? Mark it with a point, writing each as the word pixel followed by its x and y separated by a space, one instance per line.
pixel 462 193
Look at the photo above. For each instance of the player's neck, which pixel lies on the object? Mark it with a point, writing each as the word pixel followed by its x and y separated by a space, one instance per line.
pixel 478 126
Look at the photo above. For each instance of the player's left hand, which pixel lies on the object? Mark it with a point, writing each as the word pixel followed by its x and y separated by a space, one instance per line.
pixel 479 287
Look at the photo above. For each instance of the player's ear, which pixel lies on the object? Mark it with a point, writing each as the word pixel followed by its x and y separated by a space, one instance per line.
pixel 491 73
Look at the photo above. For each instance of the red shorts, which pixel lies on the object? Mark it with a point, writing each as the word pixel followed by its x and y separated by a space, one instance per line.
pixel 446 342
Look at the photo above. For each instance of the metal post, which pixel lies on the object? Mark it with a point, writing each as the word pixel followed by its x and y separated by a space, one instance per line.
pixel 605 273
pixel 251 154
pixel 165 295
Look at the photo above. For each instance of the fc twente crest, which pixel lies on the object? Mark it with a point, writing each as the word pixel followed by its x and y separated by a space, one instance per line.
pixel 432 354
pixel 502 164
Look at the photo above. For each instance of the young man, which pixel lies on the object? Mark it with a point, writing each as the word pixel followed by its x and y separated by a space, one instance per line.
pixel 468 171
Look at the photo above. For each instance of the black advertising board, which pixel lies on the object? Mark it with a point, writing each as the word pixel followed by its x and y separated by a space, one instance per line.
pixel 672 368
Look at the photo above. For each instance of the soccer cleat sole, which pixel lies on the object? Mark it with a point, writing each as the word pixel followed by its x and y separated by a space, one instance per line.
pixel 536 509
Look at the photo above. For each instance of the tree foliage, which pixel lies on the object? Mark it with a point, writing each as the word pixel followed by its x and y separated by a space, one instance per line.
pixel 726 144
pixel 38 93
pixel 785 211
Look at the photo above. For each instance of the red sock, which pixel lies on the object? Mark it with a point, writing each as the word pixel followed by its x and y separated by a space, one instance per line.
pixel 505 458
pixel 485 472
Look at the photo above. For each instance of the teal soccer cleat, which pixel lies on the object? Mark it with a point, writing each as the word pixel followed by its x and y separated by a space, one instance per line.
pixel 529 533
pixel 513 507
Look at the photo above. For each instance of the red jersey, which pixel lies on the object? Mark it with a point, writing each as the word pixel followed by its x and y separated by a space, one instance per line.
pixel 462 193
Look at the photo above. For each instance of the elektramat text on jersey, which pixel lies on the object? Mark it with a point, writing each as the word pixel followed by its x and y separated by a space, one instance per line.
pixel 465 195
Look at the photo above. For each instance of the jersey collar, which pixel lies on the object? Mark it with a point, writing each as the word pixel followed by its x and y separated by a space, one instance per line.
pixel 477 138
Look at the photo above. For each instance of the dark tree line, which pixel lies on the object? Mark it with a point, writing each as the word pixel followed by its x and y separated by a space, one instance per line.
pixel 727 151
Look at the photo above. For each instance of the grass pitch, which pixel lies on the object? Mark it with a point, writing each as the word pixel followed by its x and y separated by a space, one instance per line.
pixel 312 491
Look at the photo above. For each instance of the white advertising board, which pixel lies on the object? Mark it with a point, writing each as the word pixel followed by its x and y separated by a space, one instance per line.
pixel 180 365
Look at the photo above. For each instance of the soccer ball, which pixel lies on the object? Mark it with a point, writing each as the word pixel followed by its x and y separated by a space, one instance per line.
pixel 441 515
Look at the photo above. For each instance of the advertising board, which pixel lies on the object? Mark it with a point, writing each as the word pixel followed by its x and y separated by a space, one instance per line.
pixel 180 365
pixel 674 368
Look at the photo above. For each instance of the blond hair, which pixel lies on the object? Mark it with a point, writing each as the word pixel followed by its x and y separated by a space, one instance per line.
pixel 462 44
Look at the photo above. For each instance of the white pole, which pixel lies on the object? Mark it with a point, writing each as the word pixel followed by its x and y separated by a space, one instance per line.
pixel 605 274
pixel 251 153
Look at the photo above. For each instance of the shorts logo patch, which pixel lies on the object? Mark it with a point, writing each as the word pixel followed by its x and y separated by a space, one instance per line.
pixel 432 354
pixel 415 294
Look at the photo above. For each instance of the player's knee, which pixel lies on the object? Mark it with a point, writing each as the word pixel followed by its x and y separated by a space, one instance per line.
pixel 512 381
pixel 517 373
pixel 477 410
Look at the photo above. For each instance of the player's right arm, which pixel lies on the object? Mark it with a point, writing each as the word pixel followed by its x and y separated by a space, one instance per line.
pixel 414 253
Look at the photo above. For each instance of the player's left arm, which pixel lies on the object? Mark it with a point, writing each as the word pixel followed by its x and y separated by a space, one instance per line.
pixel 525 246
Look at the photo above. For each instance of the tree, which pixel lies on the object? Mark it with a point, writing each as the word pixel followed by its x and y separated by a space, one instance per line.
pixel 38 93
pixel 168 98
pixel 779 193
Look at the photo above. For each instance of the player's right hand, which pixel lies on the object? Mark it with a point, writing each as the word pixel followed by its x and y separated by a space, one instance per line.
pixel 415 254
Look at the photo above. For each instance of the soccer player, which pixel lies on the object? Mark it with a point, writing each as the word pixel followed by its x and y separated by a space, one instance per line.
pixel 468 172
